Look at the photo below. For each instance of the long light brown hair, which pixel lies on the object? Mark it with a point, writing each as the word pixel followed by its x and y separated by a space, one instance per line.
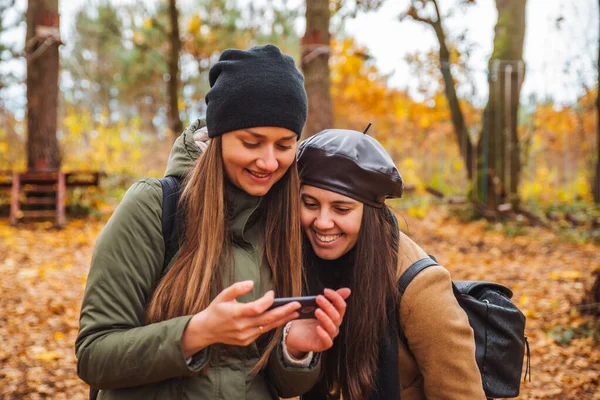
pixel 203 258
pixel 369 270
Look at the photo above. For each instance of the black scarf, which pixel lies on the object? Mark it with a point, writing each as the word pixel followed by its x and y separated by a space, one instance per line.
pixel 387 384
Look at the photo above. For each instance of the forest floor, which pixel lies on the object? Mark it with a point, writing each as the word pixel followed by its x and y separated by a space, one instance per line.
pixel 44 272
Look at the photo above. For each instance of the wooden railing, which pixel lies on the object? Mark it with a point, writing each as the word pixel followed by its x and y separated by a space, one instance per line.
pixel 42 194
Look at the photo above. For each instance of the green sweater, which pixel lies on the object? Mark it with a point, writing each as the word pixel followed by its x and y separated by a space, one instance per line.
pixel 126 359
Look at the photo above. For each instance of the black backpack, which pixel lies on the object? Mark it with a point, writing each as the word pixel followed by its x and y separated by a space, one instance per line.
pixel 498 325
pixel 170 228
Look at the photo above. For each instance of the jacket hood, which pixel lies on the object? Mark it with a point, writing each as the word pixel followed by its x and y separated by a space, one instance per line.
pixel 187 148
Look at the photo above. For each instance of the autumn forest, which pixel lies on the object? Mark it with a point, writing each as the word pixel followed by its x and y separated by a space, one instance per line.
pixel 502 184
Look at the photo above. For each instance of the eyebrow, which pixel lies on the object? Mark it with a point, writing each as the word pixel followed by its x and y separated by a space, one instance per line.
pixel 259 136
pixel 307 195
pixel 343 202
pixel 336 202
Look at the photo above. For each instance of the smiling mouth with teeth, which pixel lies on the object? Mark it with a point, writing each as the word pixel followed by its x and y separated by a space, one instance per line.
pixel 328 238
pixel 258 175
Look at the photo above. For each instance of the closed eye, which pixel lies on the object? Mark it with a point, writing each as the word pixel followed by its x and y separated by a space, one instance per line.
pixel 250 145
pixel 310 206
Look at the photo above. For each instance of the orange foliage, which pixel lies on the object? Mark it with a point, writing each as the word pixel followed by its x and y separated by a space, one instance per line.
pixel 408 129
pixel 560 152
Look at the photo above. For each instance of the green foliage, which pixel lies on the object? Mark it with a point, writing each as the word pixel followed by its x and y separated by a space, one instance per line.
pixel 101 201
pixel 464 212
pixel 564 335
pixel 7 50
pixel 513 229
pixel 92 64
pixel 117 62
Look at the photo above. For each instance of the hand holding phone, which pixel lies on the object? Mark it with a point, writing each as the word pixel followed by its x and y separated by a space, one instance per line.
pixel 318 334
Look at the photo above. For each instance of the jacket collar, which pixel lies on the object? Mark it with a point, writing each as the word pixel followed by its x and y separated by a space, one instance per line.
pixel 242 212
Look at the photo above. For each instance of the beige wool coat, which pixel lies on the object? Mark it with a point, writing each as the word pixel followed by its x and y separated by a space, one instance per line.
pixel 441 361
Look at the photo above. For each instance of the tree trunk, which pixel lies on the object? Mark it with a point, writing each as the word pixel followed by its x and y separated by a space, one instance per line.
pixel 458 120
pixel 597 175
pixel 315 65
pixel 498 151
pixel 175 124
pixel 41 49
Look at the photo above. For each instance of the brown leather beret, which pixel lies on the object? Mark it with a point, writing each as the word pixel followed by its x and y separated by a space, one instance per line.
pixel 350 163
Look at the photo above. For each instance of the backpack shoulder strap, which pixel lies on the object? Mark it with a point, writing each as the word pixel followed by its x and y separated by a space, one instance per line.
pixel 405 280
pixel 412 271
pixel 171 189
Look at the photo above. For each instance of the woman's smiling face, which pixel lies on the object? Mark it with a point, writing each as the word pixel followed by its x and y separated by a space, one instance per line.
pixel 256 158
pixel 331 221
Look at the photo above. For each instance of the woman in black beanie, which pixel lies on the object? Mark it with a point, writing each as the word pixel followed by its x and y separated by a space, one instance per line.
pixel 200 328
pixel 352 240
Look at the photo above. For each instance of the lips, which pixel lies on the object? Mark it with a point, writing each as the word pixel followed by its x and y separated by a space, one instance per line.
pixel 327 239
pixel 260 177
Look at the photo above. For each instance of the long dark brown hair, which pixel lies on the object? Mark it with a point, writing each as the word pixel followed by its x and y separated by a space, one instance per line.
pixel 369 270
pixel 202 259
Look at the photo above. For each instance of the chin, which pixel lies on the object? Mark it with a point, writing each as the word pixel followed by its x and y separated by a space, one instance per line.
pixel 254 190
pixel 327 255
pixel 257 193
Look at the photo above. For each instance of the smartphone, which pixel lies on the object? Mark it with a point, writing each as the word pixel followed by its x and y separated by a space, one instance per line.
pixel 308 305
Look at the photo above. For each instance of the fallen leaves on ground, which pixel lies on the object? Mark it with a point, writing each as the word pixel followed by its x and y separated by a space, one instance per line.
pixel 548 278
pixel 44 272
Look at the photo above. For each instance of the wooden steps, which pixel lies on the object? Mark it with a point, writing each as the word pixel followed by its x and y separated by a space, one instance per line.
pixel 39 201
pixel 37 195
pixel 41 194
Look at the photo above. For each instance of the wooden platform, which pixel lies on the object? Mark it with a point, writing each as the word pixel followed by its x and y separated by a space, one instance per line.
pixel 38 194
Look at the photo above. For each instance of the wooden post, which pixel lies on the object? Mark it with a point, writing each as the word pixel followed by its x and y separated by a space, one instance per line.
pixel 315 66
pixel 41 52
pixel 60 200
pixel 14 199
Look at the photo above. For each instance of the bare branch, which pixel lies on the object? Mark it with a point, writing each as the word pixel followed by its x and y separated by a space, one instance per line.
pixel 437 11
pixel 413 13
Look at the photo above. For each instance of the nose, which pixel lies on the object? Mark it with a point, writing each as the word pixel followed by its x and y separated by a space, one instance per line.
pixel 323 222
pixel 267 161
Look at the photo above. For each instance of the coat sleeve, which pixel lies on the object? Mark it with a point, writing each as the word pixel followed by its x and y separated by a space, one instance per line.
pixel 114 348
pixel 438 333
pixel 291 381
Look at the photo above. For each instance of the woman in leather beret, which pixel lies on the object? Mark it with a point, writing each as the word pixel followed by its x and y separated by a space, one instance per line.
pixel 352 240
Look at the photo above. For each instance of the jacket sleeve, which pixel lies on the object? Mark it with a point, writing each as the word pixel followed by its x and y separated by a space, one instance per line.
pixel 114 347
pixel 439 334
pixel 291 381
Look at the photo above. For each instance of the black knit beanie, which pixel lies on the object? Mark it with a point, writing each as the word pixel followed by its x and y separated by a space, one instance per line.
pixel 255 87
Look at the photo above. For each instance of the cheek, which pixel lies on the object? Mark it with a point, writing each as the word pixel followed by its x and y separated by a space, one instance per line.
pixel 305 218
pixel 234 158
pixel 352 225
pixel 286 159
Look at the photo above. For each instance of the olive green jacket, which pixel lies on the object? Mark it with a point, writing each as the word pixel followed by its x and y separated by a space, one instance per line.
pixel 127 359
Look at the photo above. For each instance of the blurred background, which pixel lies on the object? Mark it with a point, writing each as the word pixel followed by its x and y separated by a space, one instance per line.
pixel 489 108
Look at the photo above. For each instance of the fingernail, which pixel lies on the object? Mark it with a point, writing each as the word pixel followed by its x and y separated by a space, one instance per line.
pixel 248 284
pixel 328 291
